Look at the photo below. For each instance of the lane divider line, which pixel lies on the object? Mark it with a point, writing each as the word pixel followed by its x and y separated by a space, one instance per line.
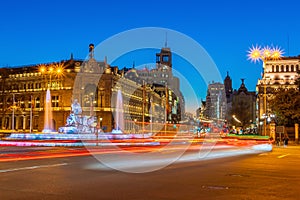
pixel 31 167
pixel 282 156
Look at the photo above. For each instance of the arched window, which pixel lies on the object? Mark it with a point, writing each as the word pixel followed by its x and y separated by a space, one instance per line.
pixel 297 68
pixel 282 68
pixel 277 68
pixel 292 68
pixel 286 68
pixel 272 68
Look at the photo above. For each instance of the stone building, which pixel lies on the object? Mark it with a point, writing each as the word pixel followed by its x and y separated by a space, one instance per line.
pixel 94 84
pixel 215 102
pixel 162 79
pixel 243 107
pixel 281 73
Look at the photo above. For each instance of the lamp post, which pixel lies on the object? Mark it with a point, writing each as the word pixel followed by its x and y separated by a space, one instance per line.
pixel 255 54
pixel 101 123
pixel 13 114
pixel 48 71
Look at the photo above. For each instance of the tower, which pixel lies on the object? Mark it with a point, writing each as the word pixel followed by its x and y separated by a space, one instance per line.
pixel 228 85
pixel 164 58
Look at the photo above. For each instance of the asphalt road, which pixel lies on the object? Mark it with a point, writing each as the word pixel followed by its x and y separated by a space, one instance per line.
pixel 270 175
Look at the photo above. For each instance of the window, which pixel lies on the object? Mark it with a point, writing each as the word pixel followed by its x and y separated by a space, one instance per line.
pixel 165 58
pixel 37 102
pixel 54 100
pixel 292 68
pixel 286 68
pixel 277 68
pixel 282 68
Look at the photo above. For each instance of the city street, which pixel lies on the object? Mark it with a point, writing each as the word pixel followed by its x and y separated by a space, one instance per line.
pixel 268 175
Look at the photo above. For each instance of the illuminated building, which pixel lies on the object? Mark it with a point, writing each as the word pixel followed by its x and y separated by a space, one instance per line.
pixel 94 84
pixel 215 102
pixel 280 73
pixel 243 107
pixel 162 79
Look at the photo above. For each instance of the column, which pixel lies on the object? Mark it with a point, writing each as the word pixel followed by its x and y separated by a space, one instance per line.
pixel 9 123
pixel 24 122
pixel 17 123
pixel 296 133
pixel 3 122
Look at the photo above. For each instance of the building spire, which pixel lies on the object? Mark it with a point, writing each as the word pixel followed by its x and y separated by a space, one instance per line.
pixel 242 79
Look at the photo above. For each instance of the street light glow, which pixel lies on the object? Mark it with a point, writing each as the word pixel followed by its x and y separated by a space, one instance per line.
pixel 59 69
pixel 42 68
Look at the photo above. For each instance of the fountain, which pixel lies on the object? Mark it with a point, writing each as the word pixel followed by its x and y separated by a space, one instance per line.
pixel 48 126
pixel 119 117
pixel 77 123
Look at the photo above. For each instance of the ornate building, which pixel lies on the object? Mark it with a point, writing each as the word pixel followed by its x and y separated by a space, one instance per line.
pixel 277 74
pixel 94 84
pixel 243 107
pixel 162 79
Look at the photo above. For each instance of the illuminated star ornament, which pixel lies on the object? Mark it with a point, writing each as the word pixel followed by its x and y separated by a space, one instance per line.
pixel 277 53
pixel 254 53
pixel 257 53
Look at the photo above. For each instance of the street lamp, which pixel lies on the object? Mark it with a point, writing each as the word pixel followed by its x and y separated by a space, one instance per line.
pixel 257 53
pixel 53 69
pixel 101 123
pixel 135 126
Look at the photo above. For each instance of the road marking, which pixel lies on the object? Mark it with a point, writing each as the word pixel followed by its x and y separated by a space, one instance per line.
pixel 31 167
pixel 263 154
pixel 282 156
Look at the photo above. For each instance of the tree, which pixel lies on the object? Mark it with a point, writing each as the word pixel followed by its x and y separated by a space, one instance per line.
pixel 286 106
pixel 298 80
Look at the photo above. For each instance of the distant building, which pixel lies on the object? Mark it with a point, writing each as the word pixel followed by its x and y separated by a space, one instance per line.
pixel 228 92
pixel 162 79
pixel 243 107
pixel 215 102
pixel 200 111
pixel 277 74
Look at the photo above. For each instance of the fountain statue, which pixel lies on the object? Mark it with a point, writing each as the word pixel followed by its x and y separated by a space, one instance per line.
pixel 76 123
pixel 48 125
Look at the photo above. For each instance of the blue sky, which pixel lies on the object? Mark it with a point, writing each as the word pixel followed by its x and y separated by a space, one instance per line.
pixel 46 31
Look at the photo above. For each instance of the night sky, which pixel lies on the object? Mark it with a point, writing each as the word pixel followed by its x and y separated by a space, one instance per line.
pixel 48 31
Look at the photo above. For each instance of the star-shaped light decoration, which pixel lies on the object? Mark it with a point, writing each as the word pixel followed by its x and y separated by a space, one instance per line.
pixel 254 53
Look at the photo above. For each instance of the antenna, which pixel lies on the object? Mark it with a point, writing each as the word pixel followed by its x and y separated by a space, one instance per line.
pixel 288 43
pixel 166 42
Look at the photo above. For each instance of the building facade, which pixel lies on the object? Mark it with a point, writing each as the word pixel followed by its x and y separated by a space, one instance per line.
pixel 277 74
pixel 243 107
pixel 93 84
pixel 215 102
pixel 165 83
